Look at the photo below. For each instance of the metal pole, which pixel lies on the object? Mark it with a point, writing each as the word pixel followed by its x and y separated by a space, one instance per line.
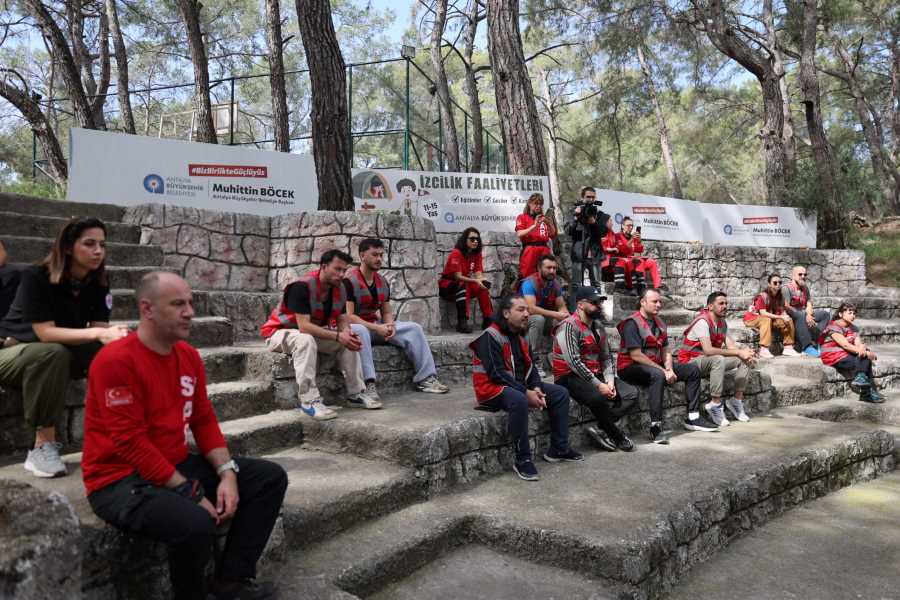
pixel 350 109
pixel 231 116
pixel 406 139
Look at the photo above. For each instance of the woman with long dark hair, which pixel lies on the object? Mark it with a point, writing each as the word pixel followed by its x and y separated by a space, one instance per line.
pixel 58 321
pixel 767 313
pixel 535 230
pixel 841 347
pixel 463 278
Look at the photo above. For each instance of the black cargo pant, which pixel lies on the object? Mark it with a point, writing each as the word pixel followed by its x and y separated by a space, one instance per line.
pixel 136 506
pixel 605 410
pixel 655 382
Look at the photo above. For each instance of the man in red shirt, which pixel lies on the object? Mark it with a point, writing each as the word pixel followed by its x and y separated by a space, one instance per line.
pixel 146 395
pixel 628 243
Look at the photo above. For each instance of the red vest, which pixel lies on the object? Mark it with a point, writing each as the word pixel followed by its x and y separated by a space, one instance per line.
pixel 485 389
pixel 829 351
pixel 799 296
pixel 591 348
pixel 718 331
pixel 539 283
pixel 365 306
pixel 283 318
pixel 651 345
pixel 761 301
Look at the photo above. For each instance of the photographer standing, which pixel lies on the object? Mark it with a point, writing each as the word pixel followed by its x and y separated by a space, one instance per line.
pixel 586 229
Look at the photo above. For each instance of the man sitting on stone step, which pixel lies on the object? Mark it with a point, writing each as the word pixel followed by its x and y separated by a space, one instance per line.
pixel 707 345
pixel 809 323
pixel 146 396
pixel 372 319
pixel 504 379
pixel 312 318
pixel 546 305
pixel 583 364
pixel 645 361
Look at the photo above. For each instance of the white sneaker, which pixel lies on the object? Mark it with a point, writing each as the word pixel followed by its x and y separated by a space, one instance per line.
pixel 789 351
pixel 432 385
pixel 764 352
pixel 364 400
pixel 317 410
pixel 717 414
pixel 372 391
pixel 44 461
pixel 736 407
pixel 541 373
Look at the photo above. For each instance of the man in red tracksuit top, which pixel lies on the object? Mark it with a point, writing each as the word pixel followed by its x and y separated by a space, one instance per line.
pixel 146 395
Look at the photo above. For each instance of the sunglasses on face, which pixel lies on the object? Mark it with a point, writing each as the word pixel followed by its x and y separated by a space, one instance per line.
pixel 801 275
pixel 474 239
pixel 776 283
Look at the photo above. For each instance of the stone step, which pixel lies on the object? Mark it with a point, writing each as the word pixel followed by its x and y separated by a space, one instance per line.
pixel 32 249
pixel 872 302
pixel 205 331
pixel 125 305
pixel 127 278
pixel 48 207
pixel 239 399
pixel 236 363
pixel 29 225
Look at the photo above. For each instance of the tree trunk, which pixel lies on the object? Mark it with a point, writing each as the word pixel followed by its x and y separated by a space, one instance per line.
pixel 470 85
pixel 99 100
pixel 57 168
pixel 674 183
pixel 280 119
pixel 448 123
pixel 787 133
pixel 122 82
pixel 832 225
pixel 330 114
pixel 552 126
pixel 614 118
pixel 519 123
pixel 190 13
pixel 84 114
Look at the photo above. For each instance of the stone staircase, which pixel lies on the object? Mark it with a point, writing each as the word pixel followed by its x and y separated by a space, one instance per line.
pixel 378 498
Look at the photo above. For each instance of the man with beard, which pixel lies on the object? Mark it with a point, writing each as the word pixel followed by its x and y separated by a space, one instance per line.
pixel 546 305
pixel 583 364
pixel 808 322
pixel 706 343
pixel 504 379
pixel 586 230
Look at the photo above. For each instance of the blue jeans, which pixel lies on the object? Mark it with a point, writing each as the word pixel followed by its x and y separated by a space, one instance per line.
pixel 515 403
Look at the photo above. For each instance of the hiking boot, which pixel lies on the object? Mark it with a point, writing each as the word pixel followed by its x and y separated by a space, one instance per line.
pixel 789 351
pixel 568 455
pixel 658 435
pixel 861 381
pixel 717 413
pixel 699 424
pixel 44 461
pixel 812 351
pixel 462 325
pixel 364 400
pixel 247 589
pixel 526 470
pixel 764 352
pixel 317 410
pixel 432 385
pixel 737 409
pixel 626 445
pixel 601 439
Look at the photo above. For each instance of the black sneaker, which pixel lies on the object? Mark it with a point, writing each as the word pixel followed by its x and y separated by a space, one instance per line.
pixel 526 470
pixel 699 424
pixel 870 395
pixel 567 456
pixel 601 438
pixel 626 445
pixel 658 435
pixel 247 589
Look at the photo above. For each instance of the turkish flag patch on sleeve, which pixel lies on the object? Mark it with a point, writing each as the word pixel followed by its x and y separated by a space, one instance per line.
pixel 118 396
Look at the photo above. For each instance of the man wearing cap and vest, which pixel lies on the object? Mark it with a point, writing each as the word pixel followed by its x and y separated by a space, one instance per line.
pixel 546 304
pixel 645 361
pixel 583 364
pixel 706 343
pixel 504 379
pixel 372 319
pixel 312 318
pixel 808 322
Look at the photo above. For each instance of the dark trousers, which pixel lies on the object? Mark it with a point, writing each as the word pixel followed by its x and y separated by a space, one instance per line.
pixel 578 266
pixel 136 506
pixel 604 409
pixel 855 365
pixel 515 403
pixel 803 337
pixel 655 382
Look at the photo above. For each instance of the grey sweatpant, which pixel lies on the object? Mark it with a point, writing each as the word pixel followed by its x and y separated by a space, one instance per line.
pixel 715 367
pixel 408 336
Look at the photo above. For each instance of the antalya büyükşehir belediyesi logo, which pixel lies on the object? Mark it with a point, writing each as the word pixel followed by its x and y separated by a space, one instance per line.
pixel 154 184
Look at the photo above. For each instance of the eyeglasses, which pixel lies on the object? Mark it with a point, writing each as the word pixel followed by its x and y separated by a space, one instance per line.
pixel 801 275
pixel 590 197
pixel 776 283
pixel 474 239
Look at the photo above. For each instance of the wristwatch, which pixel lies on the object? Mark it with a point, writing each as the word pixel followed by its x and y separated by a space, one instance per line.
pixel 229 465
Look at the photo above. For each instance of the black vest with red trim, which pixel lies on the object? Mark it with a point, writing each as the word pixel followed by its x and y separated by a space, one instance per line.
pixel 590 346
pixel 538 282
pixel 799 296
pixel 829 351
pixel 485 388
pixel 284 318
pixel 651 345
pixel 366 306
pixel 691 349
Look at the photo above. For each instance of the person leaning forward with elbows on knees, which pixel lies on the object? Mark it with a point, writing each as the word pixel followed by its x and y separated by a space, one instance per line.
pixel 58 321
pixel 546 305
pixel 145 394
pixel 707 345
pixel 504 379
pixel 766 313
pixel 312 318
pixel 841 347
pixel 583 364
pixel 644 360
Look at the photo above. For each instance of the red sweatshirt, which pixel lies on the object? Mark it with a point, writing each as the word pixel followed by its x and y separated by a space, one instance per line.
pixel 139 408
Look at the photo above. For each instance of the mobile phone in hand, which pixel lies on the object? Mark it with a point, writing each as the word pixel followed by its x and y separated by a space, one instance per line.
pixel 639 230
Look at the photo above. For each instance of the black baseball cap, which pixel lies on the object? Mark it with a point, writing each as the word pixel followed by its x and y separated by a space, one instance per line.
pixel 590 294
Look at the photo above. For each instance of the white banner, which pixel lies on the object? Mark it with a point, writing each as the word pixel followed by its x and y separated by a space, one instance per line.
pixel 673 220
pixel 453 201
pixel 128 170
